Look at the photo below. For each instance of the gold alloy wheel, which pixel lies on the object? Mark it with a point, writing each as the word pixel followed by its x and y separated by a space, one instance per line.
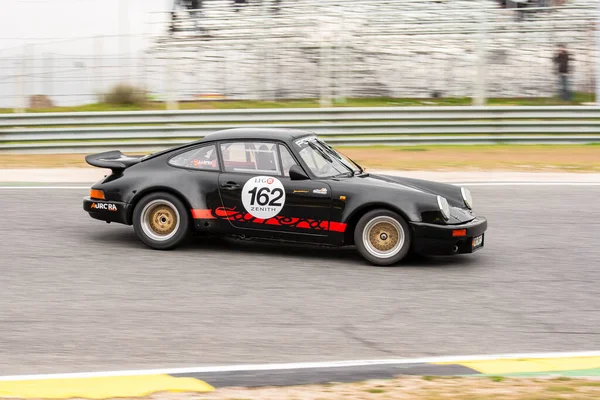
pixel 383 237
pixel 160 220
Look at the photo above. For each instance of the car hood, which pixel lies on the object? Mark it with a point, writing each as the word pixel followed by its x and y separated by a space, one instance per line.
pixel 459 213
pixel 451 192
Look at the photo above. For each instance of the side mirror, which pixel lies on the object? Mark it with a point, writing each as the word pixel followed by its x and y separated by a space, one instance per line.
pixel 297 173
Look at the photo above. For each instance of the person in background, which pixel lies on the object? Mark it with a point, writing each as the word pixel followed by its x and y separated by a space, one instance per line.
pixel 239 3
pixel 195 8
pixel 561 61
pixel 521 5
pixel 173 17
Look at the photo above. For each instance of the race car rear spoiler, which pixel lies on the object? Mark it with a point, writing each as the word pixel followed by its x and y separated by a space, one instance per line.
pixel 115 160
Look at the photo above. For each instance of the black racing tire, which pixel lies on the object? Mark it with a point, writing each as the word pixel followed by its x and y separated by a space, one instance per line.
pixel 161 221
pixel 382 237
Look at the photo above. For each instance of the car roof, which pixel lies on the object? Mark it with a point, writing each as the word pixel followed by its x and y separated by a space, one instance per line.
pixel 284 134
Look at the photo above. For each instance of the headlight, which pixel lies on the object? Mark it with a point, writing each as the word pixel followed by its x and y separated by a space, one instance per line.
pixel 444 207
pixel 467 198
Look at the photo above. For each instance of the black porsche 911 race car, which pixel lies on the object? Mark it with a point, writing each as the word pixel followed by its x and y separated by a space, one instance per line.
pixel 281 184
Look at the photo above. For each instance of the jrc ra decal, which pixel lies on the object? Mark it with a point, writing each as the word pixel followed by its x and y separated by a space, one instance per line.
pixel 104 206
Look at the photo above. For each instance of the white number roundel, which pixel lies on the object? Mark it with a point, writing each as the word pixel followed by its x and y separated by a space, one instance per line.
pixel 263 196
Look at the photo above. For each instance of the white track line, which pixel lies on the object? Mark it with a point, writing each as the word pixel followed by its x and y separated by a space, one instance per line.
pixel 303 365
pixel 45 187
pixel 525 183
pixel 453 183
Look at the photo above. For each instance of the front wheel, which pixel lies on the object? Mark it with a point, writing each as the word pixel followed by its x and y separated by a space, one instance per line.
pixel 161 221
pixel 382 237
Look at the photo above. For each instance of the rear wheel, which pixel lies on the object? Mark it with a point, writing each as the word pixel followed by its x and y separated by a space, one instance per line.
pixel 382 237
pixel 161 221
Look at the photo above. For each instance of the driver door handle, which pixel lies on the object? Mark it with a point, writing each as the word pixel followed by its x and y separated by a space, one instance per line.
pixel 230 185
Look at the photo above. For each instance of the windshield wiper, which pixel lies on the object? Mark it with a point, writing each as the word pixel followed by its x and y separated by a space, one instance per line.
pixel 342 160
pixel 342 174
pixel 321 152
pixel 327 158
pixel 360 169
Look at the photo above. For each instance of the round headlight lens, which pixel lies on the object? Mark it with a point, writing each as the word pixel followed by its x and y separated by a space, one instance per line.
pixel 444 207
pixel 467 198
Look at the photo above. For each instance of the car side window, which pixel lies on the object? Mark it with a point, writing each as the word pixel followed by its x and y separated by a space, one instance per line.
pixel 287 160
pixel 251 157
pixel 202 158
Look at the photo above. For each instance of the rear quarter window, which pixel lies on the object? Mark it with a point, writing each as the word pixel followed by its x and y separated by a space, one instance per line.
pixel 201 158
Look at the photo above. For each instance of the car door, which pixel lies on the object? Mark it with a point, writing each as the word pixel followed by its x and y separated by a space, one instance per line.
pixel 258 195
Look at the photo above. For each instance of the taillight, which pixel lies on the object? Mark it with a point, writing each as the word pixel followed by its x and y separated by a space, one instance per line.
pixel 97 194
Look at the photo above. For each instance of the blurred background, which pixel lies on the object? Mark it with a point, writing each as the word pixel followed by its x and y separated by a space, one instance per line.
pixel 76 52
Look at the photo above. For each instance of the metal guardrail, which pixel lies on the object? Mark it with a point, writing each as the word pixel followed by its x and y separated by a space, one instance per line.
pixel 298 114
pixel 341 126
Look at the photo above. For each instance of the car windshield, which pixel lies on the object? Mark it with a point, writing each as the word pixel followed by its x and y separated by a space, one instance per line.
pixel 323 160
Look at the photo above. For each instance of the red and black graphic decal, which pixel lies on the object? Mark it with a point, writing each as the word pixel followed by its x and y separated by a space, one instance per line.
pixel 231 214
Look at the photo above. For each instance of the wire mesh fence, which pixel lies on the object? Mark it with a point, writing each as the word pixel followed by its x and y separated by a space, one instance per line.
pixel 328 49
pixel 67 72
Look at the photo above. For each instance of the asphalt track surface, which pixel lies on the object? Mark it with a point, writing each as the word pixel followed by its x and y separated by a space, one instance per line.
pixel 81 295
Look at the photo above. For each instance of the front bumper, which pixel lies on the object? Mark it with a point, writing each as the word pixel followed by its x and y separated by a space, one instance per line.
pixel 435 239
pixel 109 211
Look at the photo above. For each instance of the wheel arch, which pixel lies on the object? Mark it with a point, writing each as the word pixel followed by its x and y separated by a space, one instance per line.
pixel 154 189
pixel 356 215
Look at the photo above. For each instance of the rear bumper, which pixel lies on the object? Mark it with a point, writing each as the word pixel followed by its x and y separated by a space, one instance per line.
pixel 439 240
pixel 110 211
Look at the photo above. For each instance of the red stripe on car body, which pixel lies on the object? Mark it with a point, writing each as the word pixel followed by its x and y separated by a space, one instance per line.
pixel 202 214
pixel 337 226
pixel 305 224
